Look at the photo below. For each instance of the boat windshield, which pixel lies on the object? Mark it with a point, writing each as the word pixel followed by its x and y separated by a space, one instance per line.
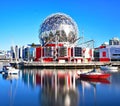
pixel 94 70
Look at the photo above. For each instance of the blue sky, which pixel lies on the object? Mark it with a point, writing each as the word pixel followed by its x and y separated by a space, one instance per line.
pixel 20 20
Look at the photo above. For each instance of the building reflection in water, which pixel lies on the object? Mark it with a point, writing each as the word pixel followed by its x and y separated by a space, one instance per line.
pixel 89 90
pixel 58 87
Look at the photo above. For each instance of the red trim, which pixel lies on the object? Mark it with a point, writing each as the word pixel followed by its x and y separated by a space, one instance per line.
pixel 38 79
pixel 90 52
pixel 69 52
pixel 48 59
pixel 104 59
pixel 102 47
pixel 53 45
pixel 38 53
pixel 89 59
pixel 104 54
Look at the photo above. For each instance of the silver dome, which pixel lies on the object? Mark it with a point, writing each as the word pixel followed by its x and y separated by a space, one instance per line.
pixel 58 28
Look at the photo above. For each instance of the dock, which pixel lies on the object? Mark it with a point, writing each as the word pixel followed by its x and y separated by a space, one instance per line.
pixel 56 65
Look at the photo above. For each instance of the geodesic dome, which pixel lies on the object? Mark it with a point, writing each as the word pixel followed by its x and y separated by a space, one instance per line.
pixel 58 27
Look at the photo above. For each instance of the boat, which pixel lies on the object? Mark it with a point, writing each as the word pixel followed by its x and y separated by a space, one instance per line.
pixel 10 70
pixel 94 75
pixel 109 68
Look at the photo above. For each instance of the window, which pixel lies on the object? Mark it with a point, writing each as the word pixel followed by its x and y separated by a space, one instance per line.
pixel 62 51
pixel 116 54
pixel 78 51
pixel 104 54
pixel 48 51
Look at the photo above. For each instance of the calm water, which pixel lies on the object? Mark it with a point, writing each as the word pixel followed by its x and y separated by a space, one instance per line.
pixel 57 88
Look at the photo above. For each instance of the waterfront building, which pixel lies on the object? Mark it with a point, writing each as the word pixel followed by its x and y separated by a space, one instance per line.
pixel 110 53
pixel 58 36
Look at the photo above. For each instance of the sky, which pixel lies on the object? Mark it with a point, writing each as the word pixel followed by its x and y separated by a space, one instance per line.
pixel 20 20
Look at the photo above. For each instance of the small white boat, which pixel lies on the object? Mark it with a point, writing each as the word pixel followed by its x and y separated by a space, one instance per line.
pixel 109 68
pixel 10 70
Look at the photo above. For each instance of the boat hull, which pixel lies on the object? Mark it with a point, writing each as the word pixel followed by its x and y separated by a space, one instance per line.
pixel 93 76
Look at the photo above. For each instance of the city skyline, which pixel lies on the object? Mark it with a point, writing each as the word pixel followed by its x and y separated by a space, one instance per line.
pixel 21 20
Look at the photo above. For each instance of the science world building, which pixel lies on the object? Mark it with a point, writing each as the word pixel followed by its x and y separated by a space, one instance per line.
pixel 58 36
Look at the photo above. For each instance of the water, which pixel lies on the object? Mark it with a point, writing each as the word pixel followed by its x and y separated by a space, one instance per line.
pixel 57 88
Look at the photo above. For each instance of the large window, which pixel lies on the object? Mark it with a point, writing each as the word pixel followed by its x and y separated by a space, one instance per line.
pixel 63 51
pixel 78 51
pixel 116 54
pixel 48 52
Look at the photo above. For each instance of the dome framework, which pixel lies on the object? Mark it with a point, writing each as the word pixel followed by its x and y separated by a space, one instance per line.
pixel 58 27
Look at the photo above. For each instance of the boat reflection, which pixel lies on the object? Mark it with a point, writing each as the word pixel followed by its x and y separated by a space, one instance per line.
pixel 10 76
pixel 58 87
pixel 96 81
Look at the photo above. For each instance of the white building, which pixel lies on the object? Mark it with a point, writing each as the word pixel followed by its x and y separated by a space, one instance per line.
pixel 110 53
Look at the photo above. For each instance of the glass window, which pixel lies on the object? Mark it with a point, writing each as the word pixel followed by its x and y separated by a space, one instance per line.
pixel 63 51
pixel 78 51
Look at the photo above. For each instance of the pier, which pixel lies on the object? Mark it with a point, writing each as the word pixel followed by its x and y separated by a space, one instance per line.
pixel 56 65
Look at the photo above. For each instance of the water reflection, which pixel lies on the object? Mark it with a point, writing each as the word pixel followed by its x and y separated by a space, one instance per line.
pixel 11 89
pixel 10 76
pixel 58 86
pixel 96 81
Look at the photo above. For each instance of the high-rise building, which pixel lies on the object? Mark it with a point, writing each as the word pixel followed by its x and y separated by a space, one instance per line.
pixel 114 41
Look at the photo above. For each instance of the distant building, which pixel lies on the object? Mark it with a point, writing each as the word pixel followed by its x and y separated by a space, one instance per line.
pixel 8 55
pixel 114 41
pixel 2 54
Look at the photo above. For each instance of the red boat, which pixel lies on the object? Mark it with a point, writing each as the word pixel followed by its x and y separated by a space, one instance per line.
pixel 95 75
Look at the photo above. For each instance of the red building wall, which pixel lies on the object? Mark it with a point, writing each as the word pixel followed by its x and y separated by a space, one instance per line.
pixel 38 53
